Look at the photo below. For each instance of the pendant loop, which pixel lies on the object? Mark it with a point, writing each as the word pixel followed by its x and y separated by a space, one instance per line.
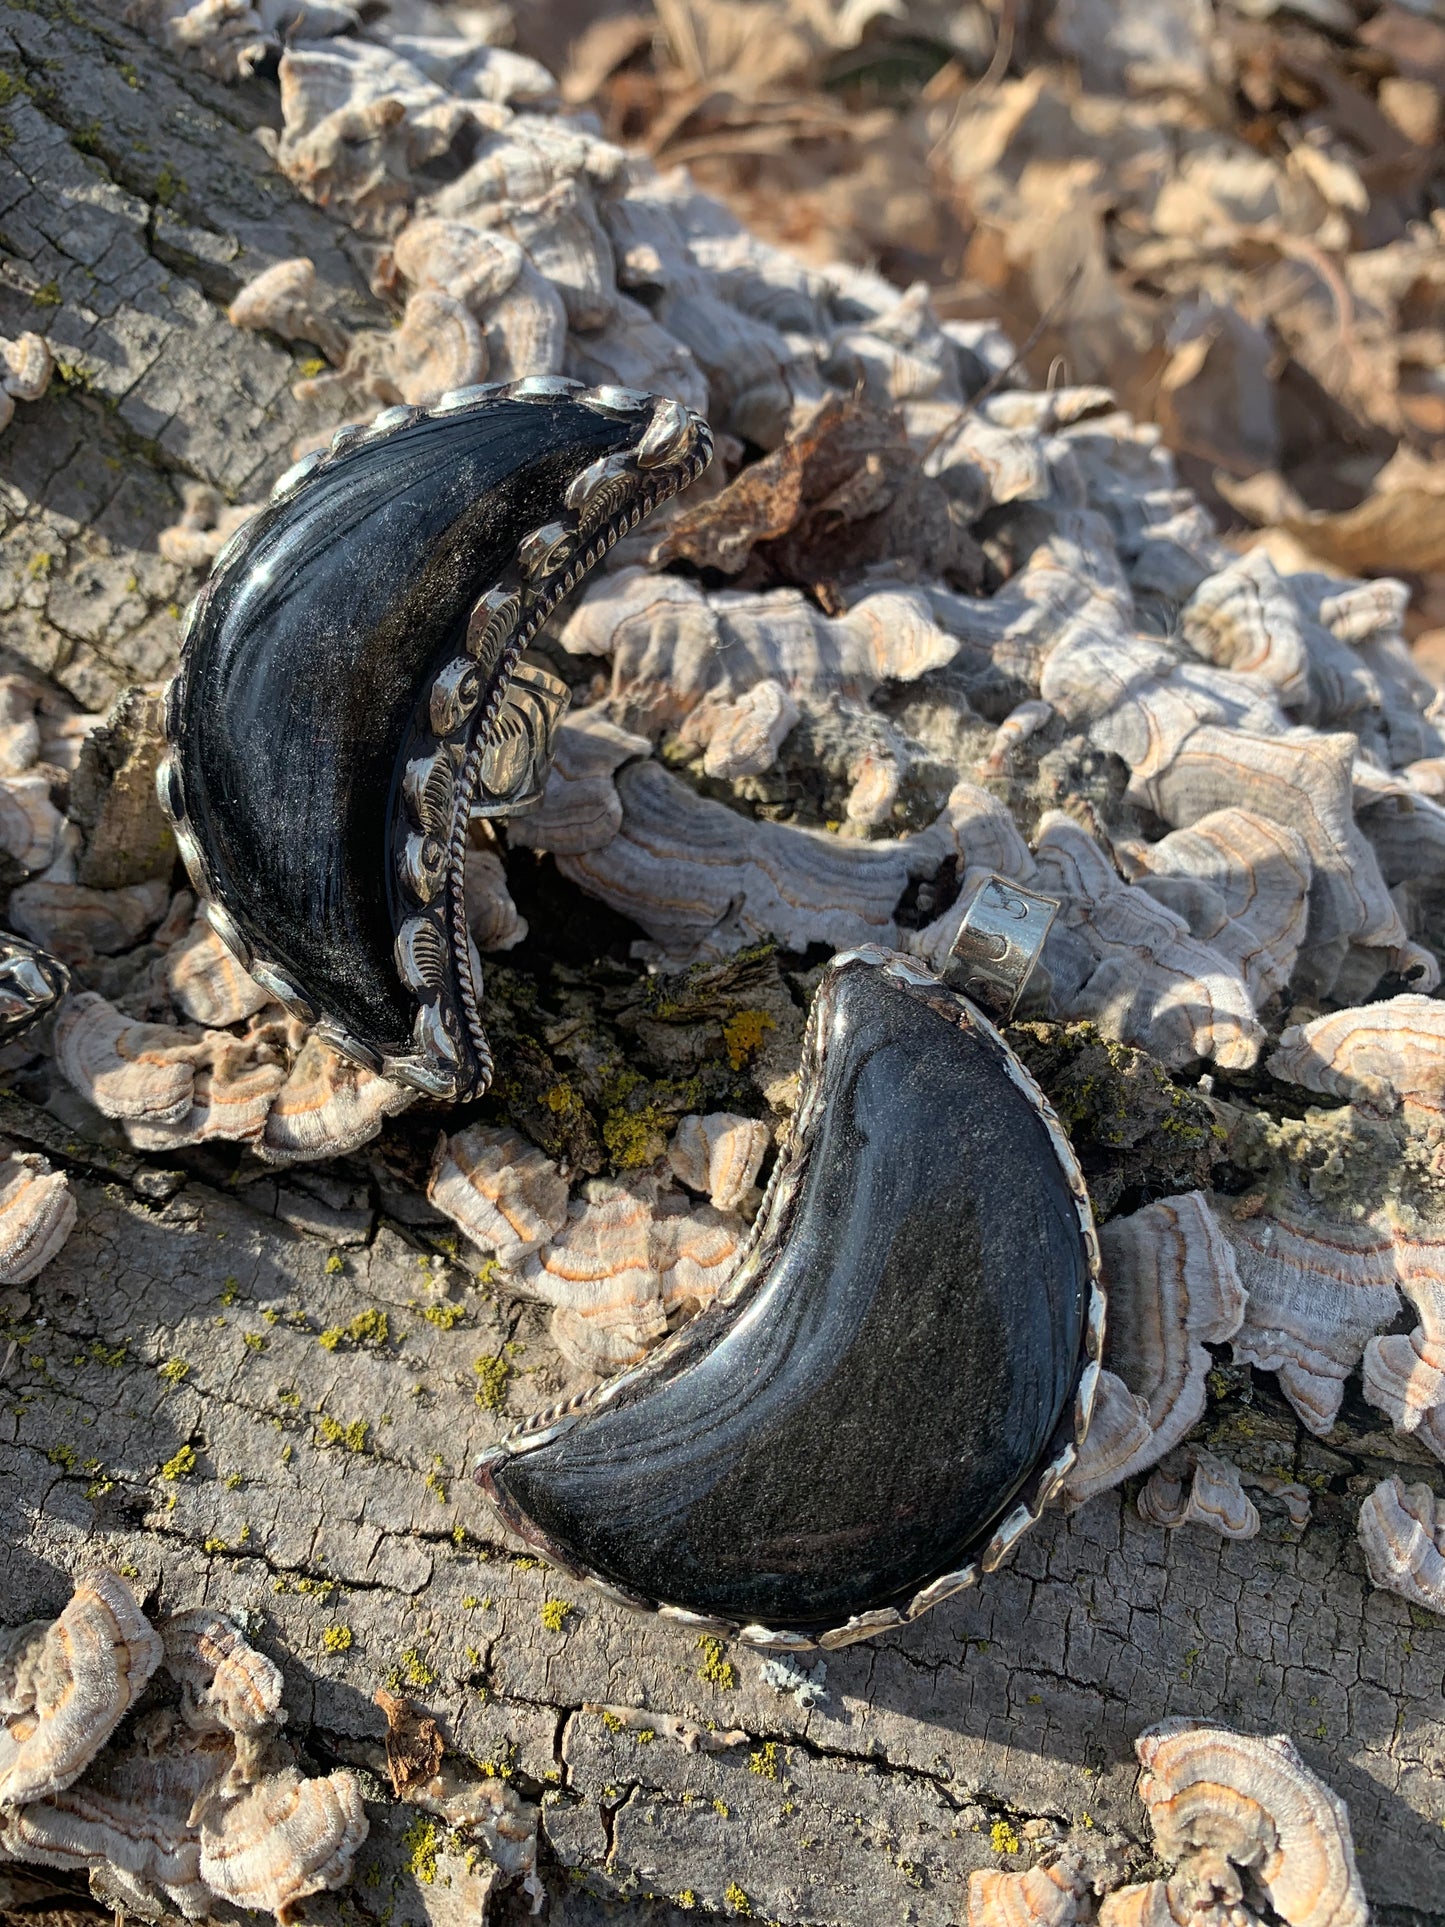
pixel 999 941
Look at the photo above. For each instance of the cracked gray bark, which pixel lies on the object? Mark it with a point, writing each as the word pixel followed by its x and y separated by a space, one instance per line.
pixel 180 1396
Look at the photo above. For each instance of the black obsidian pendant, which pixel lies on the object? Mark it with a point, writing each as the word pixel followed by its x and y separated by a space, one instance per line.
pixel 351 693
pixel 893 1385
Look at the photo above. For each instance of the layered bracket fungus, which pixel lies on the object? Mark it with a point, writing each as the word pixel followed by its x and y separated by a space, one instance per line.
pixel 1249 1831
pixel 192 1801
pixel 1402 1529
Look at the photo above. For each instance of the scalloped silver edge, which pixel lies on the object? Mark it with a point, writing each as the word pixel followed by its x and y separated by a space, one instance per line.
pixel 603 503
pixel 1043 1483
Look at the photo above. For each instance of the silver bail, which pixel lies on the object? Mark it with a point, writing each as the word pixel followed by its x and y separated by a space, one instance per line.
pixel 999 941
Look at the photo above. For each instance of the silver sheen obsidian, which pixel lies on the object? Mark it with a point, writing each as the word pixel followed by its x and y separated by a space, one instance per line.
pixel 351 694
pixel 894 1383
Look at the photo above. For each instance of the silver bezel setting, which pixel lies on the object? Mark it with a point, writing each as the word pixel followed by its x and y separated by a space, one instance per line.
pixel 429 836
pixel 1060 1454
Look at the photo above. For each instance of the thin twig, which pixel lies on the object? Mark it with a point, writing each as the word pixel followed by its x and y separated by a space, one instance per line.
pixel 1000 375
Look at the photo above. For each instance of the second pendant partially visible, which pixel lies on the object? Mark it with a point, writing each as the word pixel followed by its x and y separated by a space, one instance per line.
pixel 895 1381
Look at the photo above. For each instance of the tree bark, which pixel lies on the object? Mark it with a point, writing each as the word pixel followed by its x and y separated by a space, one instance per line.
pixel 329 1490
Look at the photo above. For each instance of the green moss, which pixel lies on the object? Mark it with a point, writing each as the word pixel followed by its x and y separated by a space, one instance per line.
pixel 64 1456
pixel 716 1670
pixel 169 185
pixel 111 1355
pixel 47 295
pixel 181 1466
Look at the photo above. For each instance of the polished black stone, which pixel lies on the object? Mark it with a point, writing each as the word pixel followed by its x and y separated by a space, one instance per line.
pixel 861 1419
pixel 316 647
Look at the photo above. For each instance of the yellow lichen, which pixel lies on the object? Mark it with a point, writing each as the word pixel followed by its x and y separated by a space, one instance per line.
pixel 743 1035
pixel 183 1463
pixel 367 1328
pixel 444 1316
pixel 736 1898
pixel 423 1844
pixel 412 1670
pixel 1003 1839
pixel 765 1760
pixel 492 1375
pixel 333 1432
pixel 336 1639
pixel 553 1614
pixel 335 1263
pixel 174 1370
pixel 715 1669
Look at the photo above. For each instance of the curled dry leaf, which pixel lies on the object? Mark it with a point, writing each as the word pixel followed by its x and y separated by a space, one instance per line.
pixel 842 491
pixel 414 1744
pixel 37 1215
pixel 66 1686
pixel 719 1154
pixel 500 1191
pixel 1402 1529
pixel 1220 1802
pixel 1206 1490
pixel 1173 1288
pixel 283 1839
